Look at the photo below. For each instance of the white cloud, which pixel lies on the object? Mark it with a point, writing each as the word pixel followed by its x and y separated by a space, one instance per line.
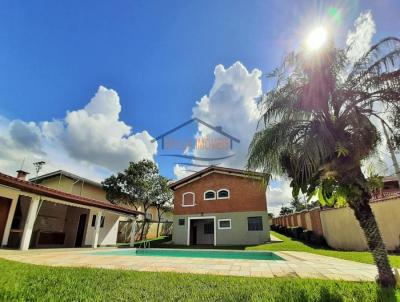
pixel 12 145
pixel 181 172
pixel 279 193
pixel 231 105
pixel 92 141
pixel 359 40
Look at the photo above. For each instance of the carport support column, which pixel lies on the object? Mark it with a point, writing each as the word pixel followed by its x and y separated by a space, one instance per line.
pixel 10 218
pixel 97 229
pixel 29 223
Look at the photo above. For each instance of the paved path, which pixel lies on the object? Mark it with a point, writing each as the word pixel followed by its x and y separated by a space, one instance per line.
pixel 296 264
pixel 275 239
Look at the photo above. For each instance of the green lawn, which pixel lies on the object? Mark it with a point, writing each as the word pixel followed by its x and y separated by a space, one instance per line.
pixel 25 282
pixel 290 244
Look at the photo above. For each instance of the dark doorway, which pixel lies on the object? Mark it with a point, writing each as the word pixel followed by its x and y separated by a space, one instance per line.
pixel 201 231
pixel 81 230
pixel 4 208
pixel 193 234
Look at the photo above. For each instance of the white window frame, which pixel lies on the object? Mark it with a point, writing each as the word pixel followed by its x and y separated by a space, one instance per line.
pixel 215 195
pixel 229 194
pixel 183 199
pixel 225 228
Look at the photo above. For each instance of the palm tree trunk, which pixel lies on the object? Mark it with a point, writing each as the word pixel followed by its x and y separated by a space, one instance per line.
pixel 366 218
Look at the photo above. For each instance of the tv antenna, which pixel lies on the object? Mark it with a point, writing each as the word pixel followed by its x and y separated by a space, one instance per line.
pixel 38 166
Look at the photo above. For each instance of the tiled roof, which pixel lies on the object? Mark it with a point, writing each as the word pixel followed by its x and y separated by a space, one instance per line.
pixel 211 169
pixel 30 187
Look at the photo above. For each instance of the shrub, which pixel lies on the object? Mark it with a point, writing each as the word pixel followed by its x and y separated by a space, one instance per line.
pixel 296 232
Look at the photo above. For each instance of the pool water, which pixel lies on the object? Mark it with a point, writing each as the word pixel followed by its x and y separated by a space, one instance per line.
pixel 219 254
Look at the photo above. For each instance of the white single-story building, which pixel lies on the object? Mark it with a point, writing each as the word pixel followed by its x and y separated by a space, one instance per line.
pixel 36 216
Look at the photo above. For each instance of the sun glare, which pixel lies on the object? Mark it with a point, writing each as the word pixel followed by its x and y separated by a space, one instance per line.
pixel 317 38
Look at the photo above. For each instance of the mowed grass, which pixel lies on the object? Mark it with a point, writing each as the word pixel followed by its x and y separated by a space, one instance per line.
pixel 290 244
pixel 26 282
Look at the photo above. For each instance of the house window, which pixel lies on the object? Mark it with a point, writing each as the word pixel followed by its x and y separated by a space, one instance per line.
pixel 209 228
pixel 255 223
pixel 223 194
pixel 209 195
pixel 102 220
pixel 224 224
pixel 181 221
pixel 188 199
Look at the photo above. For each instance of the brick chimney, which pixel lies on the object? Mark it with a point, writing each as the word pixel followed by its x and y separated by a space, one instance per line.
pixel 22 174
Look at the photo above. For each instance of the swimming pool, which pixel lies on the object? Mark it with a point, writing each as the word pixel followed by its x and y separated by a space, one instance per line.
pixel 188 253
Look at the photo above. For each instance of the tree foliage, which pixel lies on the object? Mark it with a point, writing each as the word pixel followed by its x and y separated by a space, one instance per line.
pixel 138 186
pixel 163 201
pixel 285 211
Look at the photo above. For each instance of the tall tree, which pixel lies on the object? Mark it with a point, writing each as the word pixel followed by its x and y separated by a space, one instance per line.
pixel 317 128
pixel 285 211
pixel 136 186
pixel 163 199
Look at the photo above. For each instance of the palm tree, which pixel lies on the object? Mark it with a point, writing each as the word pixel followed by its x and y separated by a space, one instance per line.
pixel 318 128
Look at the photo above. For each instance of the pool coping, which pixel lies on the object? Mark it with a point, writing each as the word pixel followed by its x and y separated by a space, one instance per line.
pixel 177 249
pixel 106 253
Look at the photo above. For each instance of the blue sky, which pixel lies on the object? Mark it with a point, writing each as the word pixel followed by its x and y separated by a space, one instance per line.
pixel 159 57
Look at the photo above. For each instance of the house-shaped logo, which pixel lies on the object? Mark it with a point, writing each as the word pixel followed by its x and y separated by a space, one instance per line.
pixel 225 142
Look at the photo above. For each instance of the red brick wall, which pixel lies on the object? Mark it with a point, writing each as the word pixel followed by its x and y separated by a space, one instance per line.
pixel 294 219
pixel 246 194
pixel 316 222
pixel 303 220
pixel 290 218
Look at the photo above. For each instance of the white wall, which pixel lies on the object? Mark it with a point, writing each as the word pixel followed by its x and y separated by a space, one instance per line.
pixel 342 231
pixel 108 233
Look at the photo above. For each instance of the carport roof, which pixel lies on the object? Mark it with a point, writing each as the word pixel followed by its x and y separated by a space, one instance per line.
pixel 66 174
pixel 30 187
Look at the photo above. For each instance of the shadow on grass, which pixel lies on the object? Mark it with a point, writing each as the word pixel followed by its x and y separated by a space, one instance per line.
pixel 328 296
pixel 324 296
pixel 386 295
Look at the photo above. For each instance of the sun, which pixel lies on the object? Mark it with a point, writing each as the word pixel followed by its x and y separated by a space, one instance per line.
pixel 317 38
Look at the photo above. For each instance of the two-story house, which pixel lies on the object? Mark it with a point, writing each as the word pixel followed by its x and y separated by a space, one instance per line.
pixel 220 206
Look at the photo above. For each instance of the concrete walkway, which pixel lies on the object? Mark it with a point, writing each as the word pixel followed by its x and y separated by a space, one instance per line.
pixel 275 239
pixel 296 264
